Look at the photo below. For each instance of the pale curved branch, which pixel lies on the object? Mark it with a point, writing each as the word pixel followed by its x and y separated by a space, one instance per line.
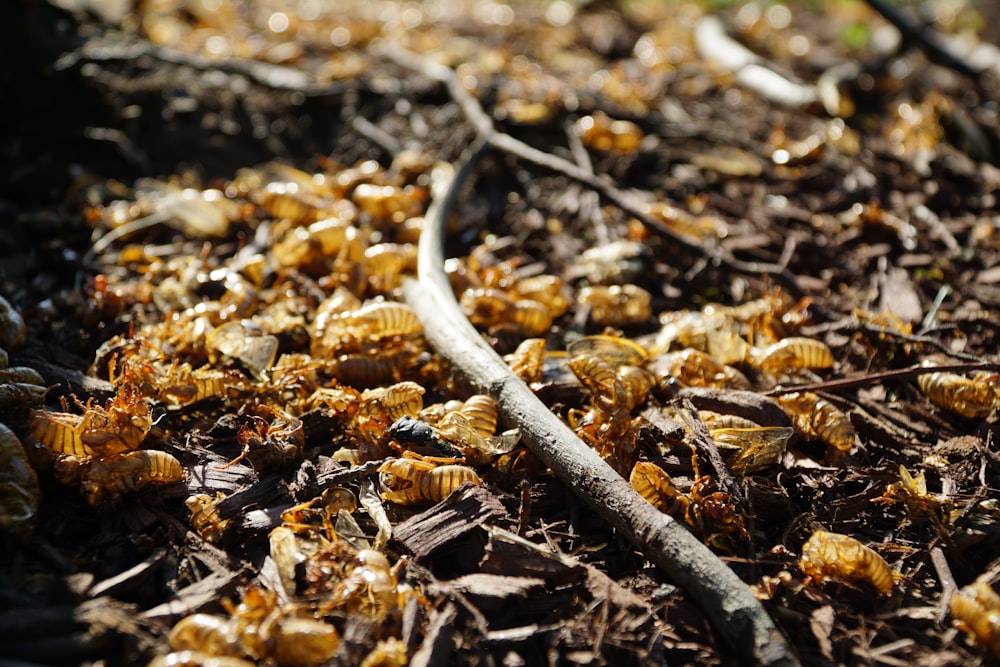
pixel 727 601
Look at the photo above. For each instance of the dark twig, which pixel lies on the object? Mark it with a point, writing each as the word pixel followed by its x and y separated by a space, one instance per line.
pixel 603 184
pixel 897 375
pixel 946 579
pixel 738 616
pixel 115 47
pixel 852 324
pixel 345 475
pixel 374 133
pixel 705 445
pixel 924 38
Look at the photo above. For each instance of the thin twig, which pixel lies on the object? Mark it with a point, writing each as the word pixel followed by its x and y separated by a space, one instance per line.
pixel 924 38
pixel 750 70
pixel 852 324
pixel 898 375
pixel 930 319
pixel 946 579
pixel 727 601
pixel 131 227
pixel 374 133
pixel 589 206
pixel 114 47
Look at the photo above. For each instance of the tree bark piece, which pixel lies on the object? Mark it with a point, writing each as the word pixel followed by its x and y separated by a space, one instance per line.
pixel 449 520
pixel 749 404
pixel 196 596
pixel 728 602
pixel 437 646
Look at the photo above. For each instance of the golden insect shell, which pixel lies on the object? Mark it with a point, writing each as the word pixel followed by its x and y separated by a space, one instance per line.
pixel 205 518
pixel 397 400
pixel 298 640
pixel 370 587
pixel 796 352
pixel 361 370
pixel 599 132
pixel 19 491
pixel 186 386
pixel 388 202
pixel 636 383
pixel 652 483
pixel 840 557
pixel 187 658
pixel 203 632
pixel 389 652
pixel 815 417
pixel 134 469
pixel 481 412
pixel 59 432
pixel 395 255
pixel 974 397
pixel 527 361
pixel 614 350
pixel 99 431
pixel 694 368
pixel 617 305
pixel 386 319
pixel 258 629
pixel 595 373
pixel 545 289
pixel 532 317
pixel 409 481
pixel 976 609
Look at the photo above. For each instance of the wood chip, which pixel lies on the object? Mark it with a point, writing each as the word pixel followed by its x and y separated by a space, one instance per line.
pixel 210 478
pixel 669 430
pixel 267 492
pixel 509 554
pixel 130 578
pixel 751 405
pixel 256 521
pixel 449 520
pixel 437 646
pixel 492 590
pixel 196 596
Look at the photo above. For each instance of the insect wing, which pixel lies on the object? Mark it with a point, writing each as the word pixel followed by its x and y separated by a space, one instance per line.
pixel 235 340
pixel 756 448
pixel 613 350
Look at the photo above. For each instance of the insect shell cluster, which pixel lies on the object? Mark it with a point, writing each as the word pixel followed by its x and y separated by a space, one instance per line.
pixel 303 318
pixel 303 315
pixel 306 317
pixel 21 390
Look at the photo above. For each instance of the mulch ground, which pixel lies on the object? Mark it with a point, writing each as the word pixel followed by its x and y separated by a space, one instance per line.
pixel 645 151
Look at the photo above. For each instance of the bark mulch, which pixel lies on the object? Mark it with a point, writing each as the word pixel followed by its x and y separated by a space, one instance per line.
pixel 208 204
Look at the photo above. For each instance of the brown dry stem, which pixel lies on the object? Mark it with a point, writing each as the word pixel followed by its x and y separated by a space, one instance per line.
pixel 896 375
pixel 726 600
